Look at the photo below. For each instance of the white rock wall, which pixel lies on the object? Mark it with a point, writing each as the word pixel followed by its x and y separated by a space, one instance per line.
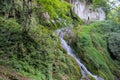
pixel 84 12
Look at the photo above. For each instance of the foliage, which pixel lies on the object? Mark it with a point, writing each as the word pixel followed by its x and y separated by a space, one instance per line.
pixel 114 15
pixel 91 47
pixel 113 45
pixel 19 9
pixel 56 8
pixel 100 3
pixel 54 14
pixel 37 54
pixel 5 6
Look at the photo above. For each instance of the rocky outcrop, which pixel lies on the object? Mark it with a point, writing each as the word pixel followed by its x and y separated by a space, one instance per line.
pixel 85 11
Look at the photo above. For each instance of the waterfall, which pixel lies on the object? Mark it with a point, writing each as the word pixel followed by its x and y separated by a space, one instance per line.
pixel 65 46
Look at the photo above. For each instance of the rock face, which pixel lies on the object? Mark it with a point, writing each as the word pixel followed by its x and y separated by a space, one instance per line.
pixel 85 12
pixel 46 16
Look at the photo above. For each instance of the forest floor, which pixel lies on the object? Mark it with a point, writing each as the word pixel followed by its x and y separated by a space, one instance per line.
pixel 6 74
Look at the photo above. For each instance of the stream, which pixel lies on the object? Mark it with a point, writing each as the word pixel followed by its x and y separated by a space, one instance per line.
pixel 84 71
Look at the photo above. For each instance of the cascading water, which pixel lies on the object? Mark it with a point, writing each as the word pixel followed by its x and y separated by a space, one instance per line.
pixel 65 46
pixel 82 9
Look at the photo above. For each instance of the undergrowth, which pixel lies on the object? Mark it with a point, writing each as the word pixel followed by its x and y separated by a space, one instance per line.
pixel 37 54
pixel 91 47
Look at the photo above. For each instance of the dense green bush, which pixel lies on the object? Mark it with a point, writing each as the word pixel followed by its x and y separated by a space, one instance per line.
pixel 37 54
pixel 114 45
pixel 56 8
pixel 91 47
pixel 114 15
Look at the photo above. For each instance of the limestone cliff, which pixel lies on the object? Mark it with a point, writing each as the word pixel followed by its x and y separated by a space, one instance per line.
pixel 84 10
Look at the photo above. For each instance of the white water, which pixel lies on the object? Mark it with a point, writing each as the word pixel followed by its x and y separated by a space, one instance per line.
pixel 85 12
pixel 84 70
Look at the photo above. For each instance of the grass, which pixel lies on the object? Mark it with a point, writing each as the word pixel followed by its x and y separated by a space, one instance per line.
pixel 91 47
pixel 37 55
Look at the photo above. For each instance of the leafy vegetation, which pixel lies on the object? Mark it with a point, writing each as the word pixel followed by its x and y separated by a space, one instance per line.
pixel 56 8
pixel 91 47
pixel 37 54
pixel 114 15
pixel 30 46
